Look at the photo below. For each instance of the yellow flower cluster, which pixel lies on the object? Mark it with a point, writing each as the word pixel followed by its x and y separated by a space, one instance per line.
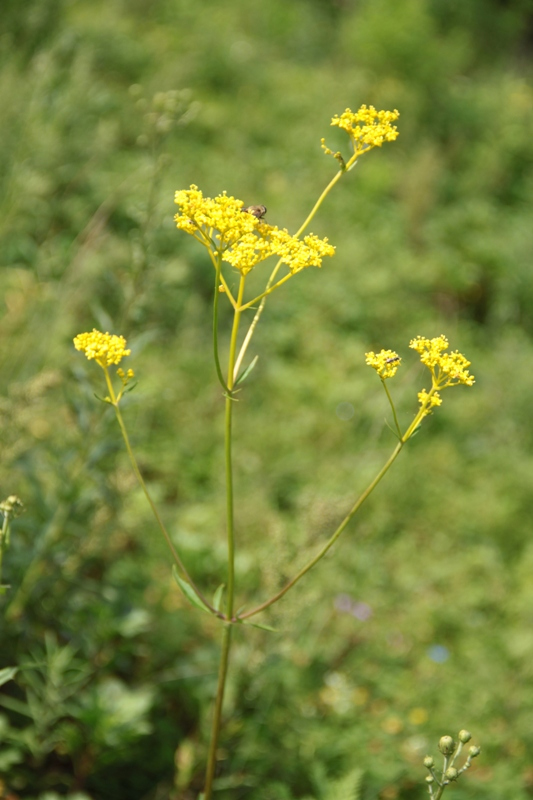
pixel 385 363
pixel 243 239
pixel 429 401
pixel 125 376
pixel 221 216
pixel 271 241
pixel 105 348
pixel 447 369
pixel 367 127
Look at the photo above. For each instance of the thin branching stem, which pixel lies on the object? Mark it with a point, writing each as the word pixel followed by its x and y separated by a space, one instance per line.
pixel 331 541
pixel 3 541
pixel 215 325
pixel 226 641
pixel 270 283
pixel 217 715
pixel 398 429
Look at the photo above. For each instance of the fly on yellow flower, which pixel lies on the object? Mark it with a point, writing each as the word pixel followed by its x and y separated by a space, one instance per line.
pixel 447 369
pixel 385 363
pixel 243 239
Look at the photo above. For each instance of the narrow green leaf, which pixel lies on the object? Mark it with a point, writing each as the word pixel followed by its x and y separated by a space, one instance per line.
pixel 260 625
pixel 395 432
pixel 217 597
pixel 15 705
pixel 7 674
pixel 188 591
pixel 102 399
pixel 242 377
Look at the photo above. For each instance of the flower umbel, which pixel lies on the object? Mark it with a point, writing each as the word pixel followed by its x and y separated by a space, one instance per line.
pixel 271 241
pixel 106 349
pixel 207 219
pixel 243 239
pixel 385 363
pixel 367 128
pixel 447 369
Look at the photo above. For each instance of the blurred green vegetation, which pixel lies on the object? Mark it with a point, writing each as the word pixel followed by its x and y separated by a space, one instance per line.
pixel 420 622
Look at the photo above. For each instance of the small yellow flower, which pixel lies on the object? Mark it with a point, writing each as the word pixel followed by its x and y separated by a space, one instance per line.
pixel 385 363
pixel 125 377
pixel 106 349
pixel 428 401
pixel 447 369
pixel 367 128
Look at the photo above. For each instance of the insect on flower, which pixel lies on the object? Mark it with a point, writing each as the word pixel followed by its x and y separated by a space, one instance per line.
pixel 392 360
pixel 256 211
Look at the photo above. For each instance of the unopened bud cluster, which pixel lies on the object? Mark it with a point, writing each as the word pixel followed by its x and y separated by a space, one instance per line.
pixel 450 750
pixel 12 506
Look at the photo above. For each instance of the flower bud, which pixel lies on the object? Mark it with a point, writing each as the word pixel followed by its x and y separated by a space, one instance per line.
pixel 464 736
pixel 474 751
pixel 430 779
pixel 446 745
pixel 12 506
pixel 451 774
pixel 428 762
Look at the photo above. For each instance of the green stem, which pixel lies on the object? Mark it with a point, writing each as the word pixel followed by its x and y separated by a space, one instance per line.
pixel 420 415
pixel 267 291
pixel 226 642
pixel 215 325
pixel 3 539
pixel 398 429
pixel 140 479
pixel 442 785
pixel 331 541
pixel 319 202
pixel 214 256
pixel 448 762
pixel 228 453
pixel 269 287
pixel 217 716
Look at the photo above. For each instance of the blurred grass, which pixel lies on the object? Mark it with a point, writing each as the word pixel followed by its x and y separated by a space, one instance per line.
pixel 433 234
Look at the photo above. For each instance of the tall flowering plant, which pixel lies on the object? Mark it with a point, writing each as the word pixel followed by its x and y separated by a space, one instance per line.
pixel 238 239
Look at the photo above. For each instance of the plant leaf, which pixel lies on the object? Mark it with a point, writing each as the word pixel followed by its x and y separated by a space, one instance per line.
pixel 7 674
pixel 242 377
pixel 188 591
pixel 217 597
pixel 260 625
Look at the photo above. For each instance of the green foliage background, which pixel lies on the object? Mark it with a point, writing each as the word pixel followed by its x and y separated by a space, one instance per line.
pixel 107 109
